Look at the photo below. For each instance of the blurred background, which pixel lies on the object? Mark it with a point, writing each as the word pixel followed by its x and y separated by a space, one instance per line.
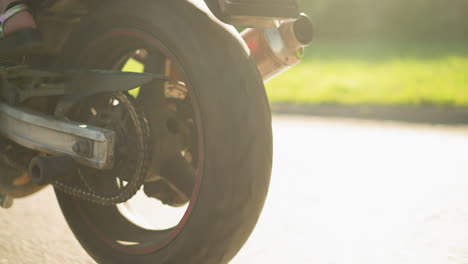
pixel 382 53
pixel 344 190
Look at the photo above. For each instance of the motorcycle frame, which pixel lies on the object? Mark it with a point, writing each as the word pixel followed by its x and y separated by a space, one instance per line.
pixel 57 18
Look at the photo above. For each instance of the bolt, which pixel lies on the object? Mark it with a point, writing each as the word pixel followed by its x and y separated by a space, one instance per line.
pixel 76 147
pixel 81 148
pixel 110 159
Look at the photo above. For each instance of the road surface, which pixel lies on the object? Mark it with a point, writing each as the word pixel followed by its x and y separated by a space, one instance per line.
pixel 343 192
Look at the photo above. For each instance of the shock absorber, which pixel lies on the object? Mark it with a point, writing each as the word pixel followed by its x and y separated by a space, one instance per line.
pixel 275 50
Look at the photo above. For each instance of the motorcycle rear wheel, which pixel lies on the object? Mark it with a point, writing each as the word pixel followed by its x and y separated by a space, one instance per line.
pixel 233 134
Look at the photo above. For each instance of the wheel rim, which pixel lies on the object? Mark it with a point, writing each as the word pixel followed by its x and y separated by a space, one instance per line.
pixel 128 234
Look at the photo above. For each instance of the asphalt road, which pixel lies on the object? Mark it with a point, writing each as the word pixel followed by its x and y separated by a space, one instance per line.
pixel 343 192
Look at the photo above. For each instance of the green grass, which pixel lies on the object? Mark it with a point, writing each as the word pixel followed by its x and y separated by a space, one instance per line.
pixel 376 73
pixel 133 66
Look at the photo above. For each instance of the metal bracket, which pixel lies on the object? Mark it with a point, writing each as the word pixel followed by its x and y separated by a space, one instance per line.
pixel 58 137
pixel 5 201
pixel 20 83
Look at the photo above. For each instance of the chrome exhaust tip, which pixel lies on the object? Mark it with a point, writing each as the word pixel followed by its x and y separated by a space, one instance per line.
pixel 303 30
pixel 278 49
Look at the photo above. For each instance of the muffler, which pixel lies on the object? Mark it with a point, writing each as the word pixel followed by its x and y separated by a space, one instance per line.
pixel 276 50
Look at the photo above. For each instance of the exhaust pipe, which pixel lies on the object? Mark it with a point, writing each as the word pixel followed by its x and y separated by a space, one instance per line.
pixel 278 49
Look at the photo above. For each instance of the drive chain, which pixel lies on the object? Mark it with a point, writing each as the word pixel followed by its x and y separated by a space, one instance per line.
pixel 135 181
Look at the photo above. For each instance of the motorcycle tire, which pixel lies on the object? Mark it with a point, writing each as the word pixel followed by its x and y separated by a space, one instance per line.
pixel 233 132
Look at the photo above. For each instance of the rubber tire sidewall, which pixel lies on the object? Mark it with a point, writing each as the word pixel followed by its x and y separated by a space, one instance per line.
pixel 236 125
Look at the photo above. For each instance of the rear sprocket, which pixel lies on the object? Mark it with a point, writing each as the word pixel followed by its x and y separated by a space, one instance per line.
pixel 120 113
